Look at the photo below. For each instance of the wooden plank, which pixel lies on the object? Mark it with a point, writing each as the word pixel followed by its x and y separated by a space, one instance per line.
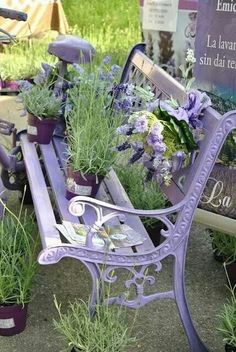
pixel 57 181
pixel 167 84
pixel 102 195
pixel 216 221
pixel 120 198
pixel 42 204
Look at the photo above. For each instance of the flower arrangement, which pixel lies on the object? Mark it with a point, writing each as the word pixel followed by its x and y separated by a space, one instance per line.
pixel 164 134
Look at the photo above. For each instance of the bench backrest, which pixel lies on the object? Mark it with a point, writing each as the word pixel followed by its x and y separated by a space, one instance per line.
pixel 141 70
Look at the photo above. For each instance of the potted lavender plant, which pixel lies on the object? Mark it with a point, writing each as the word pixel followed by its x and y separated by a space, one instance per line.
pixel 43 112
pixel 91 135
pixel 17 270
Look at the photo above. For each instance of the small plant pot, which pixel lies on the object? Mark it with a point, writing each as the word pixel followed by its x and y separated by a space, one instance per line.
pixel 81 185
pixel 231 271
pixel 229 348
pixel 40 131
pixel 12 319
pixel 11 85
pixel 155 233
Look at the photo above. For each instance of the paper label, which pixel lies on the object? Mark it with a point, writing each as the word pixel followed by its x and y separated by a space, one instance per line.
pixel 160 15
pixel 83 190
pixel 7 323
pixel 32 130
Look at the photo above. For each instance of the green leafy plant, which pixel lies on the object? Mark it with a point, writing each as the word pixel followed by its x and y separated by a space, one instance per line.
pixel 18 263
pixel 224 245
pixel 142 195
pixel 91 127
pixel 41 102
pixel 227 320
pixel 105 331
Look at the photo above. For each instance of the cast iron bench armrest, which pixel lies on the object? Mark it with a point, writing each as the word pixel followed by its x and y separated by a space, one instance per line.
pixel 78 201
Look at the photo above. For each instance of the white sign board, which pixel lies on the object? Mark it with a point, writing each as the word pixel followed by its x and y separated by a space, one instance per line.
pixel 160 15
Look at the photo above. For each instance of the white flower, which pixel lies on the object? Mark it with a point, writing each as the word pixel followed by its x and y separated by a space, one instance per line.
pixel 190 56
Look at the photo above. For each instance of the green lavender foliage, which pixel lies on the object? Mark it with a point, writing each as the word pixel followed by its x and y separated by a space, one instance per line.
pixel 106 331
pixel 91 127
pixel 41 102
pixel 227 319
pixel 18 265
pixel 146 196
pixel 224 245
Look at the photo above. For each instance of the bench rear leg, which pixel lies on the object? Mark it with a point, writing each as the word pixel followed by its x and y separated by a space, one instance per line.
pixel 196 345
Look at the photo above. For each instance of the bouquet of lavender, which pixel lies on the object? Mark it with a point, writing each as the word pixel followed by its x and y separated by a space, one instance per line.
pixel 164 134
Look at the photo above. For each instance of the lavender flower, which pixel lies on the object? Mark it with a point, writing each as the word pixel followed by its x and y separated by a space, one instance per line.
pixel 141 124
pixel 115 68
pixel 123 130
pixel 136 156
pixel 106 60
pixel 78 68
pixel 157 129
pixel 156 143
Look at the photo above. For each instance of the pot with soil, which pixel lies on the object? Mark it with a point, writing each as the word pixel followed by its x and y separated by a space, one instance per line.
pixel 78 184
pixel 18 266
pixel 43 113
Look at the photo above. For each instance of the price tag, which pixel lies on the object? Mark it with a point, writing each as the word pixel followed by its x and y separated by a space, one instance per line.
pixel 160 15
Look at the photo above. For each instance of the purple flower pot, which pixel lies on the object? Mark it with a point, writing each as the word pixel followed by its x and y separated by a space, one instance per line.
pixel 82 185
pixel 231 271
pixel 40 131
pixel 229 348
pixel 11 85
pixel 12 319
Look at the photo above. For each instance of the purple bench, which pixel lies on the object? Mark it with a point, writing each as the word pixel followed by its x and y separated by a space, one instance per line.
pixel 112 204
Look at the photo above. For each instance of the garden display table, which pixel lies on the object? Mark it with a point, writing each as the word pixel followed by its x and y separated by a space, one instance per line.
pixel 45 169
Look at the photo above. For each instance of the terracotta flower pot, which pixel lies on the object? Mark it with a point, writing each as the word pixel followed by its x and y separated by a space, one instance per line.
pixel 40 131
pixel 12 319
pixel 81 185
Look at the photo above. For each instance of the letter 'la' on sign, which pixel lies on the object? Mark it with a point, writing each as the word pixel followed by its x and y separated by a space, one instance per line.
pixel 160 15
pixel 215 47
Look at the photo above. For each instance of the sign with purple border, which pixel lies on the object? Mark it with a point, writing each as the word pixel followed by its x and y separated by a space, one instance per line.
pixel 215 47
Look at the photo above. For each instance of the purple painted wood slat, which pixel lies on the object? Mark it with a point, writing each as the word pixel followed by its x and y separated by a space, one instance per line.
pixel 102 195
pixel 167 84
pixel 42 204
pixel 57 181
pixel 120 198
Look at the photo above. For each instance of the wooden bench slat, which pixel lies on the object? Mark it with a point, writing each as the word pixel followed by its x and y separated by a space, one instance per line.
pixel 120 198
pixel 57 181
pixel 42 204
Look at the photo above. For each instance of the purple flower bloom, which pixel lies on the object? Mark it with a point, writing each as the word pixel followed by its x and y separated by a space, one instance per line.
pixel 78 68
pixel 194 106
pixel 141 124
pixel 154 105
pixel 115 68
pixel 124 129
pixel 156 143
pixel 179 113
pixel 157 129
pixel 106 60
